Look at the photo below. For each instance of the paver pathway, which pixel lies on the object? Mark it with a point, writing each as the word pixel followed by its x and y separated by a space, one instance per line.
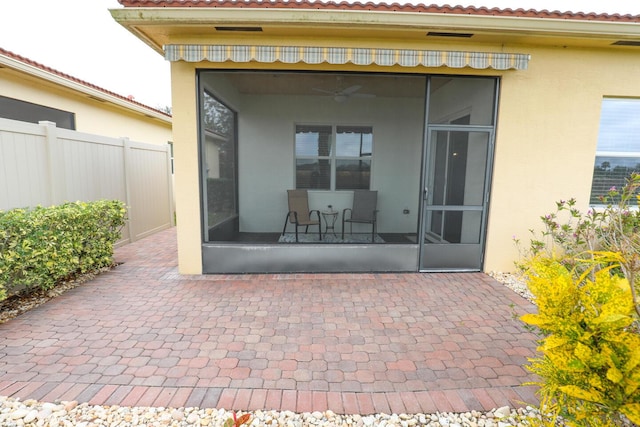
pixel 143 335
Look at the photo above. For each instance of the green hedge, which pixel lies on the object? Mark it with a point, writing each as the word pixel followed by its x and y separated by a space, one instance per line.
pixel 41 247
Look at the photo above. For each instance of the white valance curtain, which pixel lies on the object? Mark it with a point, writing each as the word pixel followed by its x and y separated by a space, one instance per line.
pixel 344 55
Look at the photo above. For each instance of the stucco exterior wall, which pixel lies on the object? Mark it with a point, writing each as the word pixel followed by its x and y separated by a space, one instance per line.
pixel 185 154
pixel 91 116
pixel 546 138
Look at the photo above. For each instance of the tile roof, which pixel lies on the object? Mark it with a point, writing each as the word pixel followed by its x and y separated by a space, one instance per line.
pixel 16 57
pixel 382 7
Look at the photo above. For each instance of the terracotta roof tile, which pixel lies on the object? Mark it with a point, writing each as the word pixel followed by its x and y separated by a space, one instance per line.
pixel 35 64
pixel 382 7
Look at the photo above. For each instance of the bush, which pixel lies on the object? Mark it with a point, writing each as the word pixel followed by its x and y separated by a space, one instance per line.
pixel 43 246
pixel 583 272
pixel 590 363
pixel 575 238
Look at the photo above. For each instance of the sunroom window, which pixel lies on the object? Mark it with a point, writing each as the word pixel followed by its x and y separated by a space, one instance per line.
pixel 618 152
pixel 333 157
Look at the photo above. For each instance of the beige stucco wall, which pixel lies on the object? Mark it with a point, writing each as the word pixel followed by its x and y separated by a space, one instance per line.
pixel 185 153
pixel 91 116
pixel 546 140
pixel 545 143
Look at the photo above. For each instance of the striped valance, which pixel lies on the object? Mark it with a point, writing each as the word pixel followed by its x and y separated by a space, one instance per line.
pixel 344 55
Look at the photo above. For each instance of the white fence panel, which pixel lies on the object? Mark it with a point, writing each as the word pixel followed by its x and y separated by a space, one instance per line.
pixel 148 177
pixel 24 166
pixel 93 167
pixel 44 165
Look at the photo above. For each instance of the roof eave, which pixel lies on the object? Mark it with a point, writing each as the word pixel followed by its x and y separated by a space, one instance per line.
pixel 31 70
pixel 132 18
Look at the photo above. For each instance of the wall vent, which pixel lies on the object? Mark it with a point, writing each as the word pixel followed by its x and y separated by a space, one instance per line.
pixel 444 34
pixel 245 29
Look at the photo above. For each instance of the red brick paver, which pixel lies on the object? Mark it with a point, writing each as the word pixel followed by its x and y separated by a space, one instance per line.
pixel 142 334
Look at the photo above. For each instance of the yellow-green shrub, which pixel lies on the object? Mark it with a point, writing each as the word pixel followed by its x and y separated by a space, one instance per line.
pixel 589 367
pixel 42 246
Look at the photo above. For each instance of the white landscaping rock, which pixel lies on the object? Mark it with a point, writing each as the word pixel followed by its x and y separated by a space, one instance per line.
pixel 502 412
pixel 15 413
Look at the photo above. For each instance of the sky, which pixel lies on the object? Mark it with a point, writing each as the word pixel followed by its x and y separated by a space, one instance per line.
pixel 80 38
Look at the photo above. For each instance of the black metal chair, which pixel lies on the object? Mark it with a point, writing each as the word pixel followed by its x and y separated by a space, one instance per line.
pixel 363 211
pixel 299 213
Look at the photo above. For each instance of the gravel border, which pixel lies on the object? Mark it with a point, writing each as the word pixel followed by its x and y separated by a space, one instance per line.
pixel 514 282
pixel 15 413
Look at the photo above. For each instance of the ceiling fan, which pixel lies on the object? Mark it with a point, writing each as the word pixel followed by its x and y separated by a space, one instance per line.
pixel 341 95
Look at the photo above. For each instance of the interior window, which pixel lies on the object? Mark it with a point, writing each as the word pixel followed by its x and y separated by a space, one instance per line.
pixel 320 166
pixel 618 152
pixel 313 157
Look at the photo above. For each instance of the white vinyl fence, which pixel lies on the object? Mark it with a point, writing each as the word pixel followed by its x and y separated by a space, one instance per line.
pixel 41 164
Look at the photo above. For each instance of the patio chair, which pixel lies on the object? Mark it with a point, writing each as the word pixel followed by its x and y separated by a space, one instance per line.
pixel 363 211
pixel 299 213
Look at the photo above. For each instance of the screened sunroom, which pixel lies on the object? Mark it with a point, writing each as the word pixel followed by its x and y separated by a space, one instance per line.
pixel 422 144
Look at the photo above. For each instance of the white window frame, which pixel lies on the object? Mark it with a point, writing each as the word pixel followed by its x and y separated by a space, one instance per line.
pixel 605 135
pixel 333 157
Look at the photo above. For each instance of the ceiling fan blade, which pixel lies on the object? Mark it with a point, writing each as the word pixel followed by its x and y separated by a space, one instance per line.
pixel 329 92
pixel 351 89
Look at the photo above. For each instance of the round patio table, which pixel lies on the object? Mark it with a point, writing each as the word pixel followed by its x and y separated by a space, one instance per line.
pixel 330 218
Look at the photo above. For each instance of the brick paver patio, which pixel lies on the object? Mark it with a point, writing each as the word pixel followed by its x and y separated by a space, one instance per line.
pixel 143 335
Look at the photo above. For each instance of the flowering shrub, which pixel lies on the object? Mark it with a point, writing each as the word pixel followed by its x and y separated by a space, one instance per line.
pixel 574 238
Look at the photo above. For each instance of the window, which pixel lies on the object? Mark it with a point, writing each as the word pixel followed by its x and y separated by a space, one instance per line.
pixel 618 152
pixel 333 157
pixel 16 109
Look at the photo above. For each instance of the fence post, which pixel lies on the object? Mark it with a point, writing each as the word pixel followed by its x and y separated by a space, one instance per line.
pixel 55 169
pixel 126 153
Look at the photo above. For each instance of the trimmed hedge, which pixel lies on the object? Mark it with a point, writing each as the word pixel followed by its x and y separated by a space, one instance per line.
pixel 41 247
